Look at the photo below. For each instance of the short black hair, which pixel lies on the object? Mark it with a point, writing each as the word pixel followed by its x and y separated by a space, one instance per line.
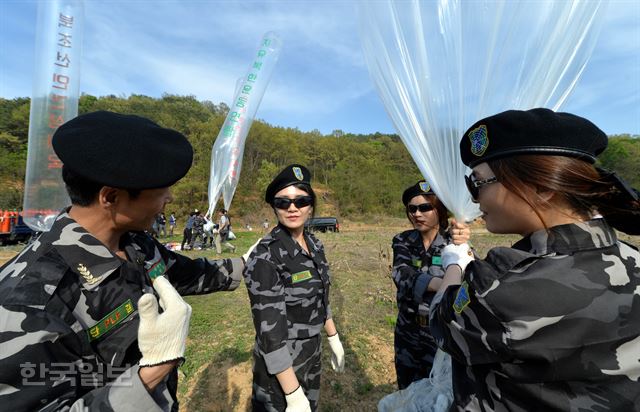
pixel 82 191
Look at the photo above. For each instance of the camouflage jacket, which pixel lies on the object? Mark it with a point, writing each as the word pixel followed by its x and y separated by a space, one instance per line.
pixel 289 294
pixel 69 321
pixel 552 323
pixel 413 269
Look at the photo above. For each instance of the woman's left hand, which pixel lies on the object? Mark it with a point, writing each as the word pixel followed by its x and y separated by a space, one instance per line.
pixel 460 232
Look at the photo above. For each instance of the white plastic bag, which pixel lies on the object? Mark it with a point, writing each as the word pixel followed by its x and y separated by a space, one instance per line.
pixel 432 394
pixel 441 65
pixel 231 235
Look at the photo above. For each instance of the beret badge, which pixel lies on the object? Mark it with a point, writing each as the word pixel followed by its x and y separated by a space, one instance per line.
pixel 479 140
pixel 297 172
pixel 424 186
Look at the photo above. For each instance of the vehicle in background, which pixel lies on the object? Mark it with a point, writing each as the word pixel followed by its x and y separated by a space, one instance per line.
pixel 323 224
pixel 13 230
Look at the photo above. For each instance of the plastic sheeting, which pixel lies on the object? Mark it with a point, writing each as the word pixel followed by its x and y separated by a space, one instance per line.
pixel 54 100
pixel 226 154
pixel 439 66
pixel 432 394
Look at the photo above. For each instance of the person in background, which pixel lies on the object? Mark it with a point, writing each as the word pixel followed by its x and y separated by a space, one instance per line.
pixel 162 224
pixel 81 328
pixel 198 230
pixel 172 223
pixel 553 322
pixel 288 279
pixel 187 233
pixel 224 226
pixel 417 273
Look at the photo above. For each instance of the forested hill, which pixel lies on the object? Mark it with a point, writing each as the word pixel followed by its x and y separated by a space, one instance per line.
pixel 356 176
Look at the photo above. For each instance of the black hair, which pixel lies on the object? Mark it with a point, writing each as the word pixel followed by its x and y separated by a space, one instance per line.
pixel 84 192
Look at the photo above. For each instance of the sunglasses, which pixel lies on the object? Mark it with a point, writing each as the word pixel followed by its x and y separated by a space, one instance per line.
pixel 299 202
pixel 423 208
pixel 474 185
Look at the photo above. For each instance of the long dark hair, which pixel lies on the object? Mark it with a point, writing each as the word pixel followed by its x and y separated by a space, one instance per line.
pixel 443 213
pixel 583 187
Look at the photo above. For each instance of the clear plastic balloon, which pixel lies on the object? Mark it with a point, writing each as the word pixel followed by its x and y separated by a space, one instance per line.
pixel 56 87
pixel 226 154
pixel 439 66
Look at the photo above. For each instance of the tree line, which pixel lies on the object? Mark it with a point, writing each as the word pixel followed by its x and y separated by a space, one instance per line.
pixel 355 176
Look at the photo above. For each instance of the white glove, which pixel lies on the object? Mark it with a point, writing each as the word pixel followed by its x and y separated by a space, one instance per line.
pixel 337 356
pixel 459 255
pixel 250 250
pixel 162 336
pixel 297 401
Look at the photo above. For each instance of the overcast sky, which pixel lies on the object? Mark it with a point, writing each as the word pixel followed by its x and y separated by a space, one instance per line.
pixel 321 82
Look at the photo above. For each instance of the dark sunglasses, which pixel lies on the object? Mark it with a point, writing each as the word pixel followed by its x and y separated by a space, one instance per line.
pixel 299 202
pixel 423 208
pixel 474 185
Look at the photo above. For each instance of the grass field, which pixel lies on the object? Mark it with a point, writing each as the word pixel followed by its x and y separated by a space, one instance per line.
pixel 217 373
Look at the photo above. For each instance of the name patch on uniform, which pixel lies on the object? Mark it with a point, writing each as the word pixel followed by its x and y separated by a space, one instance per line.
pixel 417 263
pixel 301 276
pixel 157 269
pixel 436 260
pixel 111 320
pixel 462 298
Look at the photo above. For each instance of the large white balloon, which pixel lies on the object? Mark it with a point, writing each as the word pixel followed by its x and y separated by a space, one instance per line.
pixel 56 89
pixel 441 65
pixel 226 154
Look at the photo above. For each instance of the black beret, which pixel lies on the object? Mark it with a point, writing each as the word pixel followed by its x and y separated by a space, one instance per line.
pixel 420 188
pixel 123 151
pixel 290 175
pixel 536 131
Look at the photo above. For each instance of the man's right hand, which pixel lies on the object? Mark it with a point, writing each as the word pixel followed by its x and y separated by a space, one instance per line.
pixel 162 336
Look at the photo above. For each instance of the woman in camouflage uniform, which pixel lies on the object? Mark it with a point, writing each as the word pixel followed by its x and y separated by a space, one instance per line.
pixel 552 323
pixel 287 277
pixel 417 273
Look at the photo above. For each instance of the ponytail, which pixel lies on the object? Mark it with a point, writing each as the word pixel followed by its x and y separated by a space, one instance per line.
pixel 621 206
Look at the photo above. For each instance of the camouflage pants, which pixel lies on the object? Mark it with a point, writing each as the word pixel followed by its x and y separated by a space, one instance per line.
pixel 414 350
pixel 268 395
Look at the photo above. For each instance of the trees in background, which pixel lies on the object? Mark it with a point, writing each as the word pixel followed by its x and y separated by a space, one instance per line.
pixel 355 176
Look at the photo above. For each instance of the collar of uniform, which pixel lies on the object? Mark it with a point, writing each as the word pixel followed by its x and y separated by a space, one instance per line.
pixel 415 237
pixel 84 254
pixel 570 238
pixel 291 246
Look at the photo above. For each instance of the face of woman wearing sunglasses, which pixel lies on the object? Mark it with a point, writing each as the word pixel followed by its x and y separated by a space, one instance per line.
pixel 422 214
pixel 502 210
pixel 289 214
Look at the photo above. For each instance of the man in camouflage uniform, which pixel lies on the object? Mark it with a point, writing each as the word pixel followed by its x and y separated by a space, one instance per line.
pixel 68 302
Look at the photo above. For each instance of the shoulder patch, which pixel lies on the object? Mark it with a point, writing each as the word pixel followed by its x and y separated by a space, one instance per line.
pixel 462 298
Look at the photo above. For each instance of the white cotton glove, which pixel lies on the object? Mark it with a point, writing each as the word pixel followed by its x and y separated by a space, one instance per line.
pixel 459 255
pixel 337 356
pixel 250 250
pixel 162 336
pixel 297 401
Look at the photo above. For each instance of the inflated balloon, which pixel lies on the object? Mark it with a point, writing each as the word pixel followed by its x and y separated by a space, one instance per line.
pixel 226 154
pixel 54 100
pixel 439 66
